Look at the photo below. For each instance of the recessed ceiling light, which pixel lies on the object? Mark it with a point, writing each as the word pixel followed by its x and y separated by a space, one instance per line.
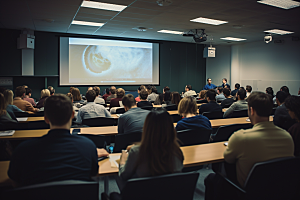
pixel 87 23
pixel 102 6
pixel 285 4
pixel 277 31
pixel 233 39
pixel 171 32
pixel 208 21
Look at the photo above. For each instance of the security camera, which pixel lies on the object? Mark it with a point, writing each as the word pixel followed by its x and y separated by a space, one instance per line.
pixel 268 38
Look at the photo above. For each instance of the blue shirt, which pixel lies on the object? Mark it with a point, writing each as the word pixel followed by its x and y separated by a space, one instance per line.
pixel 11 109
pixel 91 110
pixel 211 86
pixel 196 122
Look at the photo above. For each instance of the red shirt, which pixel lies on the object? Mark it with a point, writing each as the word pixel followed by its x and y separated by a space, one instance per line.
pixel 137 99
pixel 105 96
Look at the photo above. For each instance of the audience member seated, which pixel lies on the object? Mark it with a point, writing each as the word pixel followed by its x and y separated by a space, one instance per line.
pixel 57 155
pixel 237 87
pixel 10 108
pixel 191 120
pixel 292 103
pixel 269 91
pixel 76 109
pixel 166 88
pixel 167 98
pixel 159 100
pixel 133 119
pixel 241 104
pixel 70 90
pixel 137 99
pixel 45 93
pixel 248 90
pixel 175 98
pixel 226 103
pixel 107 94
pixel 113 95
pixel 281 115
pixel 202 95
pixel 4 116
pixel 20 103
pixel 28 97
pixel 220 97
pixel 51 90
pixel 209 85
pixel 98 98
pixel 143 97
pixel 212 105
pixel 189 91
pixel 263 142
pixel 285 89
pixel 91 109
pixel 115 102
pixel 225 84
pixel 157 154
pixel 76 96
pixel 153 95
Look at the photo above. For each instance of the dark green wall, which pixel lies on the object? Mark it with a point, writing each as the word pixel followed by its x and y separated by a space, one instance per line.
pixel 180 63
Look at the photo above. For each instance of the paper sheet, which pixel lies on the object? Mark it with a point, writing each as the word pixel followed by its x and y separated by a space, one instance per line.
pixel 7 133
pixel 22 119
pixel 114 161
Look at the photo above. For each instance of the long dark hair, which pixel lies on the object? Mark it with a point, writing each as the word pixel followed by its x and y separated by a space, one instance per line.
pixel 159 144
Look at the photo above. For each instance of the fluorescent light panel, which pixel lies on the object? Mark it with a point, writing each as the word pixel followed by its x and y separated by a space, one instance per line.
pixel 102 6
pixel 285 4
pixel 208 21
pixel 277 31
pixel 87 23
pixel 171 32
pixel 233 39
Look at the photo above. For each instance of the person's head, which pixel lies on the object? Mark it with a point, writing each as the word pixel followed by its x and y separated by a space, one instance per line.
pixel 241 93
pixel 140 88
pixel 143 94
pixel 90 88
pixel 20 91
pixel 220 90
pixel 226 92
pixel 166 88
pixel 120 92
pixel 285 89
pixel 209 80
pixel 210 95
pixel 113 91
pixel 2 105
pixel 159 144
pixel 237 86
pixel 175 98
pixel 90 96
pixel 187 105
pixel 9 97
pixel 51 89
pixel 128 101
pixel 167 96
pixel 248 88
pixel 202 94
pixel 154 90
pixel 260 107
pixel 71 88
pixel 269 90
pixel 76 94
pixel 280 97
pixel 292 103
pixel 45 93
pixel 28 92
pixel 107 90
pixel 97 90
pixel 224 80
pixel 58 111
pixel 188 88
pixel 2 89
pixel 70 96
pixel 113 87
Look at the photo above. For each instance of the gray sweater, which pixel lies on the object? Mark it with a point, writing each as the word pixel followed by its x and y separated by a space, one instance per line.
pixel 239 105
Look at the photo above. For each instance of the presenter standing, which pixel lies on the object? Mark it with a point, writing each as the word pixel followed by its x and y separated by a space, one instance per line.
pixel 209 85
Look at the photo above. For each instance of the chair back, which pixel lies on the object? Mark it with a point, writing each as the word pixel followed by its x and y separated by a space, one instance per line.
pixel 70 189
pixel 273 111
pixel 176 118
pixel 202 101
pixel 171 186
pixel 125 139
pixel 239 113
pixel 120 110
pixel 99 140
pixel 193 137
pixel 41 124
pixel 171 107
pixel 224 132
pixel 274 179
pixel 26 114
pixel 213 115
pixel 100 121
pixel 147 107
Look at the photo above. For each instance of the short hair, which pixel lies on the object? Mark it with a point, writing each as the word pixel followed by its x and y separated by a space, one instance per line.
pixel 187 105
pixel 166 88
pixel 90 95
pixel 58 109
pixel 220 89
pixel 202 94
pixel 211 94
pixel 269 90
pixel 45 93
pixel 285 89
pixel 76 94
pixel 28 91
pixel 51 89
pixel 208 79
pixel 141 87
pixel 113 91
pixel 242 93
pixel 260 102
pixel 237 86
pixel 248 88
pixel 143 94
pixel 281 96
pixel 225 79
pixel 128 100
pixel 120 92
pixel 20 90
pixel 188 87
pixel 70 96
pixel 226 92
pixel 292 103
pixel 97 90
pixel 154 90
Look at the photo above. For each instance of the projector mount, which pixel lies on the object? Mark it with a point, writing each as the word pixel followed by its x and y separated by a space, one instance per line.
pixel 198 35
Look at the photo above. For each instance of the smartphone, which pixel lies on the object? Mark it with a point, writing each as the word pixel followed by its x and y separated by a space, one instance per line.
pixel 75 131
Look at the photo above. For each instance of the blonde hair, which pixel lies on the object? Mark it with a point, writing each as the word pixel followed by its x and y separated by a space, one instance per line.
pixel 187 105
pixel 9 97
pixel 120 92
pixel 45 93
pixel 202 94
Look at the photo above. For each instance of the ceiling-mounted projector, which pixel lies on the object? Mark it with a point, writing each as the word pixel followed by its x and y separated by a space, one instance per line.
pixel 197 34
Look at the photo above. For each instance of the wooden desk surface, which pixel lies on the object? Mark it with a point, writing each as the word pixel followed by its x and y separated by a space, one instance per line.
pixel 215 123
pixel 32 119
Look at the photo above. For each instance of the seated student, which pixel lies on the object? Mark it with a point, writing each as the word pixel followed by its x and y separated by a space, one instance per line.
pixel 51 90
pixel 143 97
pixel 74 107
pixel 249 90
pixel 167 98
pixel 76 96
pixel 226 103
pixel 107 94
pixel 28 98
pixel 113 95
pixel 189 91
pixel 57 155
pixel 285 89
pixel 157 154
pixel 212 105
pixel 241 104
pixel 191 120
pixel 209 85
pixel 220 97
pixel 153 95
pixel 269 90
pixel 115 102
pixel 281 115
pixel 137 99
pixel 10 108
pixel 237 87
pixel 292 104
pixel 91 109
pixel 225 84
pixel 261 143
pixel 159 100
pixel 133 119
pixel 166 88
pixel 45 93
pixel 20 103
pixel 98 98
pixel 201 97
pixel 4 116
pixel 175 98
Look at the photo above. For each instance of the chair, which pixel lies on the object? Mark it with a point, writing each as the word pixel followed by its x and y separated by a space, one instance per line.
pixel 99 140
pixel 176 118
pixel 195 95
pixel 26 114
pixel 125 139
pixel 171 107
pixel 224 132
pixel 273 111
pixel 100 121
pixel 273 179
pixel 213 115
pixel 151 101
pixel 202 101
pixel 120 111
pixel 147 107
pixel 37 125
pixel 171 186
pixel 239 113
pixel 69 189
pixel 193 137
